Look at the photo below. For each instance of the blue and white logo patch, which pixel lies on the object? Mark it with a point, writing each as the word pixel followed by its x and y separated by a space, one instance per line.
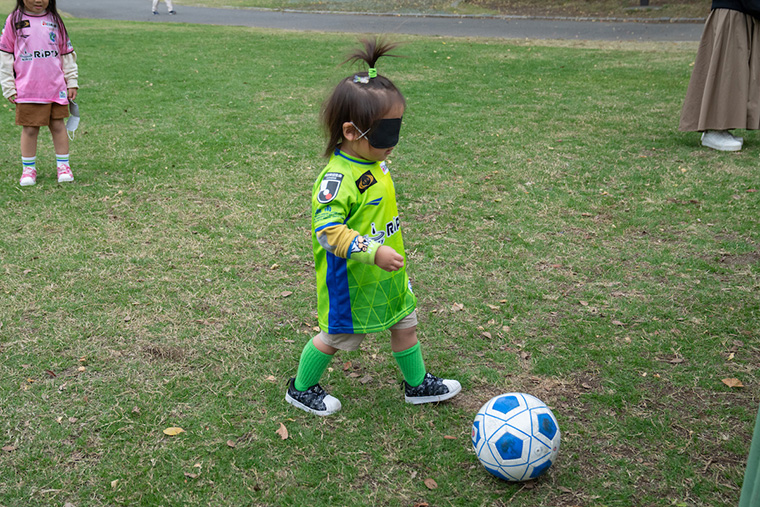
pixel 329 187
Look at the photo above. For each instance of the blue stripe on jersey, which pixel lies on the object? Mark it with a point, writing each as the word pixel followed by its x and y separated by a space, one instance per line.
pixel 375 202
pixel 354 160
pixel 328 225
pixel 339 319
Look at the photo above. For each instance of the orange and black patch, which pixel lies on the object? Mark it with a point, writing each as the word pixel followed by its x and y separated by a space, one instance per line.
pixel 365 181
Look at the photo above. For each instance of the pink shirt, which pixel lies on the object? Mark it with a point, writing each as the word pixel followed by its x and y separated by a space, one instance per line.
pixel 37 49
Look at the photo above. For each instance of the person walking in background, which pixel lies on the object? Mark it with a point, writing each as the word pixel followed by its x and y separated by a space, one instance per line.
pixel 38 73
pixel 724 90
pixel 168 6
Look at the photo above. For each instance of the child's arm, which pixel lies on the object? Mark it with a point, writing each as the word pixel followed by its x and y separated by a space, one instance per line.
pixel 71 74
pixel 7 81
pixel 349 244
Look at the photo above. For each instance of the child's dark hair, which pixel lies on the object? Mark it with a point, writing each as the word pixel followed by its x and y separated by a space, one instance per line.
pixel 361 98
pixel 51 8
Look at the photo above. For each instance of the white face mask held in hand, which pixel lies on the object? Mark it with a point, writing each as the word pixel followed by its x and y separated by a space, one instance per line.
pixel 73 122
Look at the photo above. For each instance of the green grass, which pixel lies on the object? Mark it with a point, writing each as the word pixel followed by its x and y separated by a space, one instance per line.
pixel 621 9
pixel 611 259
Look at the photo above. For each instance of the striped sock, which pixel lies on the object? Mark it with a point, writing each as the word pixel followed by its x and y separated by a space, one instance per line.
pixel 62 160
pixel 29 163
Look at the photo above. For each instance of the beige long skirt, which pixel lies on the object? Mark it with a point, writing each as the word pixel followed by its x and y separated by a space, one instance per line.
pixel 724 90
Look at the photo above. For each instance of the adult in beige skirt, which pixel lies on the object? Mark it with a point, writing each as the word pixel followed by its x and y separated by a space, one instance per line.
pixel 724 90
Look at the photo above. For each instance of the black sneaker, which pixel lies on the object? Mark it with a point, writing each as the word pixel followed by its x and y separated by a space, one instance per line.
pixel 314 399
pixel 172 13
pixel 432 390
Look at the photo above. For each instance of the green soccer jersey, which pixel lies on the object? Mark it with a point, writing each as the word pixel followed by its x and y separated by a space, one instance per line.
pixel 353 295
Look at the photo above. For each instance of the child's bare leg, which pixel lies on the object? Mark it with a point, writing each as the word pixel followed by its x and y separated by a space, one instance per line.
pixel 323 347
pixel 29 141
pixel 403 339
pixel 60 139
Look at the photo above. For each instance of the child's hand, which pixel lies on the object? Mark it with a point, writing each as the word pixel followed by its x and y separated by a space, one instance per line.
pixel 12 99
pixel 386 258
pixel 71 93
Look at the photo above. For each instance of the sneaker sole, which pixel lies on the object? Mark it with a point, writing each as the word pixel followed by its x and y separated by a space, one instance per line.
pixel 419 400
pixel 27 183
pixel 65 180
pixel 722 148
pixel 303 407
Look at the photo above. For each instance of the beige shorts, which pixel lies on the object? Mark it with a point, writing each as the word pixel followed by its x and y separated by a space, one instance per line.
pixel 349 341
pixel 39 115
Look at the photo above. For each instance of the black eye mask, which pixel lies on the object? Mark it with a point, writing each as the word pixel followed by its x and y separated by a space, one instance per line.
pixel 385 133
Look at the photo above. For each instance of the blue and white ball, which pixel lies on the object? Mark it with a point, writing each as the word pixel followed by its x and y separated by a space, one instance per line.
pixel 516 436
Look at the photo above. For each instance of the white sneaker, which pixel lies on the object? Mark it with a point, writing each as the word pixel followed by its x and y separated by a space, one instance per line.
pixel 28 177
pixel 64 174
pixel 721 140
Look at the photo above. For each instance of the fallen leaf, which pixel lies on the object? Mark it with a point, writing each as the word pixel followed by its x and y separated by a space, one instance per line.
pixel 232 444
pixel 617 323
pixel 456 307
pixel 114 483
pixel 365 379
pixel 493 307
pixel 10 448
pixel 283 432
pixel 733 382
pixel 449 437
pixel 173 431
pixel 431 484
pixel 286 293
pixel 191 476
pixel 271 378
pixel 486 334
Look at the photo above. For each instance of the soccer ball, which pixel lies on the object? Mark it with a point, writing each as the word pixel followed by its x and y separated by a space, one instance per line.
pixel 515 436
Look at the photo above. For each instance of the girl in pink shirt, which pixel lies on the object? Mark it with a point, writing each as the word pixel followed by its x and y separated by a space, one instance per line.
pixel 38 73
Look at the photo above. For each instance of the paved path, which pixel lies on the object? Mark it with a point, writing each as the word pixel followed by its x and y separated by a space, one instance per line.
pixel 502 27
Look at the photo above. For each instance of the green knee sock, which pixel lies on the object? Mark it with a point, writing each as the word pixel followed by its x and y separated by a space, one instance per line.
pixel 412 365
pixel 313 364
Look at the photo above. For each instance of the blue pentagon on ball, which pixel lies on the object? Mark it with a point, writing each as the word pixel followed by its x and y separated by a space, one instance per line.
pixel 506 404
pixel 509 447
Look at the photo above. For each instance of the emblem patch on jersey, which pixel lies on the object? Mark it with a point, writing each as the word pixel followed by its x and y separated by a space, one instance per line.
pixel 384 167
pixel 24 23
pixel 329 187
pixel 365 181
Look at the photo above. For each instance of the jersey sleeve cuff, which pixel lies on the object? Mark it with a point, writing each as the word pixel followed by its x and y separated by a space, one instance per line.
pixel 363 250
